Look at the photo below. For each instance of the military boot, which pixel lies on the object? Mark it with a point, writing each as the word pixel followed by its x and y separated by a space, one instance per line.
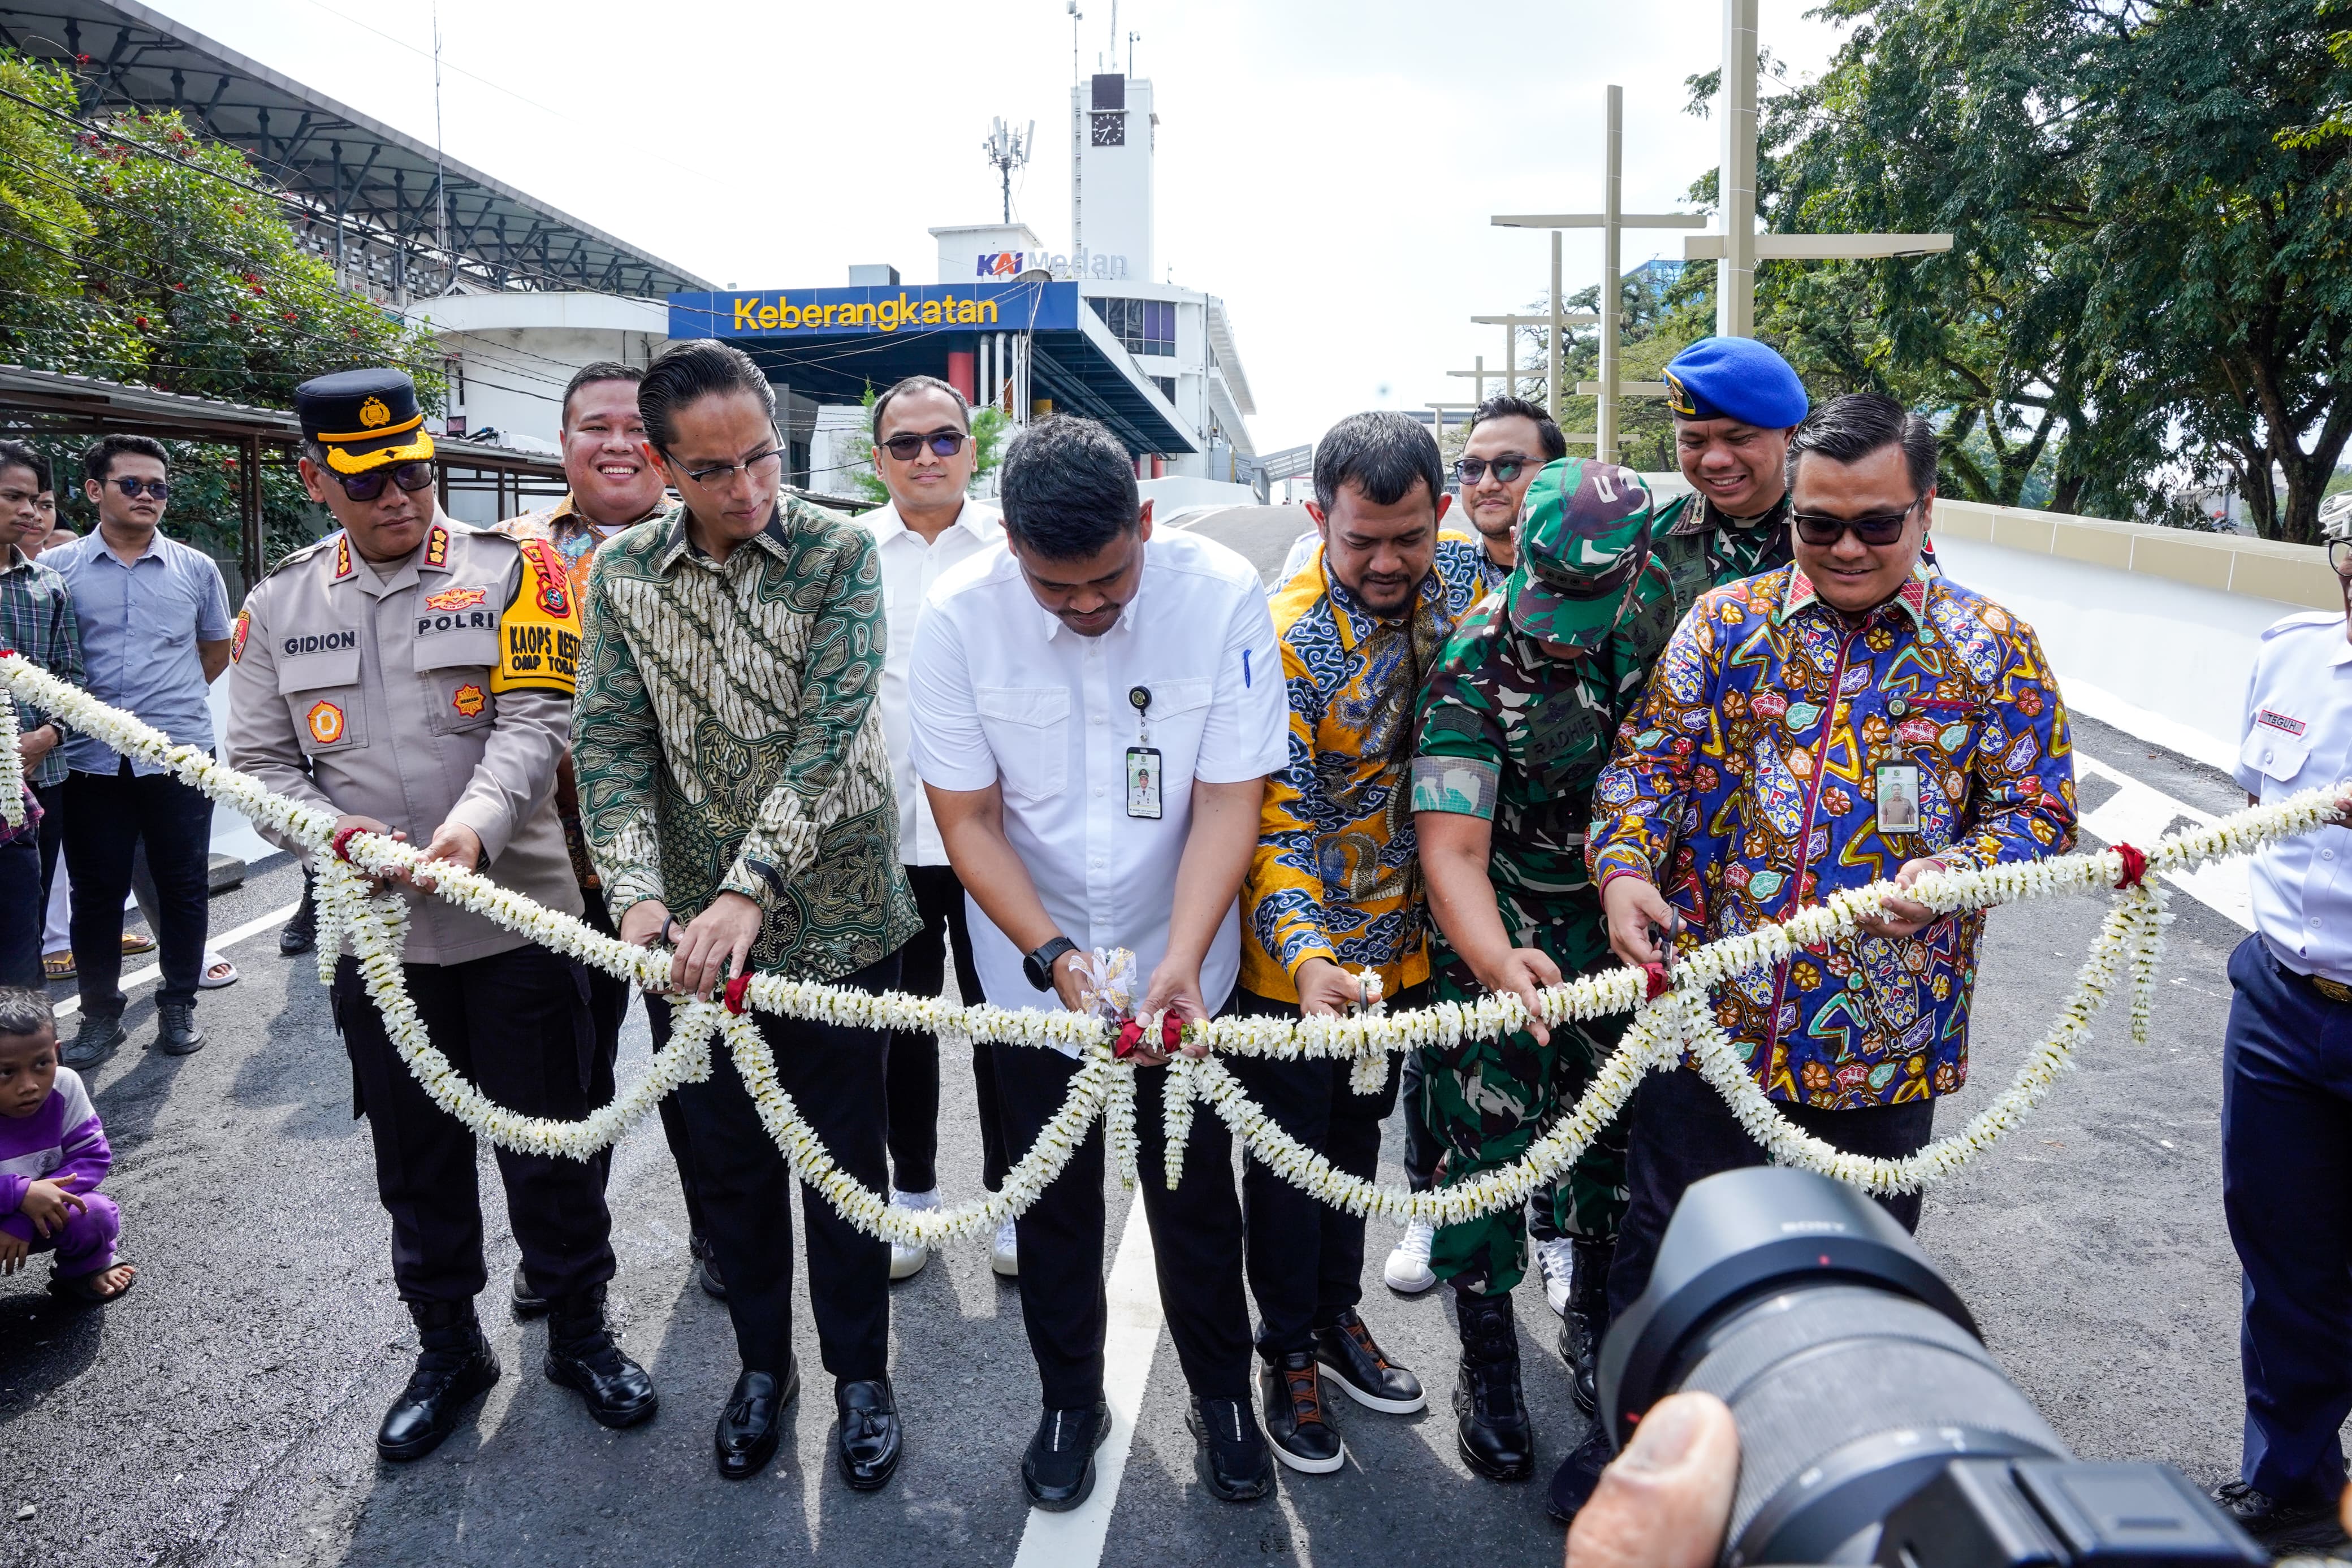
pixel 1586 1320
pixel 1497 1437
pixel 300 932
pixel 581 1355
pixel 454 1368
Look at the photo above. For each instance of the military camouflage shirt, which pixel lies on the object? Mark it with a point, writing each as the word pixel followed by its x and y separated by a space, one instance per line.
pixel 726 740
pixel 1515 735
pixel 1703 547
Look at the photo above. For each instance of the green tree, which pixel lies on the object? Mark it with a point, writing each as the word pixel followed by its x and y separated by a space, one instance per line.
pixel 2148 281
pixel 132 248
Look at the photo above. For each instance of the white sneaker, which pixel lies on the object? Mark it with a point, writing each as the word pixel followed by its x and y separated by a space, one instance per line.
pixel 1005 1254
pixel 906 1263
pixel 1407 1269
pixel 1556 1259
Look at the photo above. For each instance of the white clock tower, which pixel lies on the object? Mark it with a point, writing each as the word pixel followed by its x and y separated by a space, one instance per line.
pixel 1111 131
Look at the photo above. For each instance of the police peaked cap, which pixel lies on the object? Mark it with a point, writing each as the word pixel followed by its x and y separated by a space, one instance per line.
pixel 1736 378
pixel 365 419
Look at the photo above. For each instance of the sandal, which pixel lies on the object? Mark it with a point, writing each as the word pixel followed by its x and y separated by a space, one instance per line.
pixel 134 943
pixel 58 967
pixel 83 1288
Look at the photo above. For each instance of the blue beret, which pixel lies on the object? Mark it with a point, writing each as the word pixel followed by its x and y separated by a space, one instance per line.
pixel 1736 378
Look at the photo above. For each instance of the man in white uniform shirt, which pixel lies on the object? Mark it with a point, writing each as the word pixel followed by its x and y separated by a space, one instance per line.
pixel 923 452
pixel 2287 1095
pixel 1096 711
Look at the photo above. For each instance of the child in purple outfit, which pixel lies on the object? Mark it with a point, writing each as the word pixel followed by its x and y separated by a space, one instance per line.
pixel 53 1154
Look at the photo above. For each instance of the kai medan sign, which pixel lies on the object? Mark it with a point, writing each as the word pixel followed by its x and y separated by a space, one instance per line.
pixel 812 312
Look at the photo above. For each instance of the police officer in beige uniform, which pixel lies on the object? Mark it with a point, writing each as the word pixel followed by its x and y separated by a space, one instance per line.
pixel 414 677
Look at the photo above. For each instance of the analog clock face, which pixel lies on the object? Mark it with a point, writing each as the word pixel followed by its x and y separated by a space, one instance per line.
pixel 1110 129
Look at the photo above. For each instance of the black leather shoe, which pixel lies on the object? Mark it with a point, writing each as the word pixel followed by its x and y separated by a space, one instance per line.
pixel 2283 1527
pixel 1058 1470
pixel 707 1267
pixel 95 1040
pixel 1290 1400
pixel 1572 1483
pixel 1582 1326
pixel 1496 1438
pixel 746 1439
pixel 176 1033
pixel 871 1438
pixel 581 1356
pixel 1358 1364
pixel 454 1368
pixel 1230 1456
pixel 527 1304
pixel 300 932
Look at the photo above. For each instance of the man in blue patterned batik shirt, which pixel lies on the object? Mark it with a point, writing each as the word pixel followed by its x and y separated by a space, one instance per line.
pixel 1848 719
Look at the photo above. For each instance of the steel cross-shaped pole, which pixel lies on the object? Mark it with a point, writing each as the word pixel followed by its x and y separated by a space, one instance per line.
pixel 1612 220
pixel 1556 321
pixel 1738 249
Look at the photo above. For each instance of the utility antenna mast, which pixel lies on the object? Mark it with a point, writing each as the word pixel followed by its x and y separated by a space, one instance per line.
pixel 1007 150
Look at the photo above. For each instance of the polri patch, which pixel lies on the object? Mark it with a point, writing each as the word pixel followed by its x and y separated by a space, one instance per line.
pixel 326 721
pixel 467 699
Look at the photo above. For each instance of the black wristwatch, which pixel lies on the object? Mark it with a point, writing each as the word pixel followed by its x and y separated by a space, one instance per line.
pixel 1039 966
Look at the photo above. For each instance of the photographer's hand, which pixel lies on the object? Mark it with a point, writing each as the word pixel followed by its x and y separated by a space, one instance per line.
pixel 1665 1501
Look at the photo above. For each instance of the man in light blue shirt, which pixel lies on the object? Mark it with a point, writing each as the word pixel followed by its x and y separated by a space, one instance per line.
pixel 155 621
pixel 2286 1099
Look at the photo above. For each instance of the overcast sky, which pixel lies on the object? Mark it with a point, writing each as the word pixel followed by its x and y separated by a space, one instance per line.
pixel 1325 166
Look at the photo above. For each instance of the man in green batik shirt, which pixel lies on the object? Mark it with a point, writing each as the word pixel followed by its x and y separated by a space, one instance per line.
pixel 735 792
pixel 1516 725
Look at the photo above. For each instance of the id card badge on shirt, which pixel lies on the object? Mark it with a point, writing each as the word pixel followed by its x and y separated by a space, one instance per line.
pixel 1143 781
pixel 1898 799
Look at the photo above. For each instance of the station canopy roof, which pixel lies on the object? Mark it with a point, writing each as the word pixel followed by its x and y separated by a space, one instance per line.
pixel 831 344
pixel 330 158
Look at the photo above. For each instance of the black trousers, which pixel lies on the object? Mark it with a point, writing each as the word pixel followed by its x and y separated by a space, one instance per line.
pixel 515 1026
pixel 21 908
pixel 1683 1132
pixel 608 1009
pixel 1196 1239
pixel 913 1081
pixel 835 1078
pixel 659 1017
pixel 107 816
pixel 53 835
pixel 1306 1257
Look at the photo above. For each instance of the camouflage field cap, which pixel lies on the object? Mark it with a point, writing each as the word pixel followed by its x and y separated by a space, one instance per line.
pixel 1584 537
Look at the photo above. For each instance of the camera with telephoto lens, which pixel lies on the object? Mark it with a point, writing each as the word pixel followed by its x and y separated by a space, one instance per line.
pixel 1874 1426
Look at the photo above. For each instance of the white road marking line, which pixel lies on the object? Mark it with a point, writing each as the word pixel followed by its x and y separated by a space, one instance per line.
pixel 222 943
pixel 2139 813
pixel 1075 1539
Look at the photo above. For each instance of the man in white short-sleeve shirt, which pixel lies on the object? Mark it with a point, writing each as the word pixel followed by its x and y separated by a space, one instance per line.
pixel 1059 686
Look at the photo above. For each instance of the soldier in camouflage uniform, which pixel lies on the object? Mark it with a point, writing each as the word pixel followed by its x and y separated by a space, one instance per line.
pixel 1515 727
pixel 1736 404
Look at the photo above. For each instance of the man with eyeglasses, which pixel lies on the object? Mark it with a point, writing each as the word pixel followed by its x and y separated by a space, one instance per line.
pixel 2286 1077
pixel 735 789
pixel 153 618
pixel 414 677
pixel 924 454
pixel 1794 721
pixel 610 485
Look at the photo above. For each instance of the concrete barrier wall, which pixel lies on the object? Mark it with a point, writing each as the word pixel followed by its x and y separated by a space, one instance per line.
pixel 2151 629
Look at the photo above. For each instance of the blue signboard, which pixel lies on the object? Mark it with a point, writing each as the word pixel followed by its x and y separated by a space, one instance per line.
pixel 786 314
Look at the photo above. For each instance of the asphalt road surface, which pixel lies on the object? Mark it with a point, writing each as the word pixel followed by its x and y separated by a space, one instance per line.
pixel 222 1413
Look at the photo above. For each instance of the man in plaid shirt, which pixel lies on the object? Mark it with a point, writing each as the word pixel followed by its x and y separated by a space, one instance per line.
pixel 37 619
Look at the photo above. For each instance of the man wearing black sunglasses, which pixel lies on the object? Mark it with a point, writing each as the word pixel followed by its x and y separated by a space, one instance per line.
pixel 925 455
pixel 1510 439
pixel 1851 718
pixel 414 677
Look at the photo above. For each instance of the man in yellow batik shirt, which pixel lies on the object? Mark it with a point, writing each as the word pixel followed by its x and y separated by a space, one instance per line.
pixel 1334 894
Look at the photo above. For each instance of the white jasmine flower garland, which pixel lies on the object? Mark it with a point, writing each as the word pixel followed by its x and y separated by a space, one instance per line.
pixel 374 929
pixel 12 769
